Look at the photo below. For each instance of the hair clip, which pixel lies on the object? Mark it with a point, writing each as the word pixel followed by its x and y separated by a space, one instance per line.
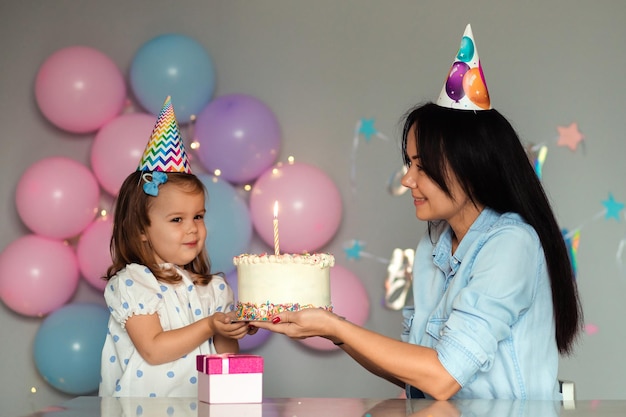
pixel 152 182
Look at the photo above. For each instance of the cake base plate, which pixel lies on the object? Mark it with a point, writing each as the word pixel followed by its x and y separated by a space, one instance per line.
pixel 246 320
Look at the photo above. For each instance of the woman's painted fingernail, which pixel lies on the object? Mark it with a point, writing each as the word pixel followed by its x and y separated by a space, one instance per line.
pixel 250 327
pixel 276 320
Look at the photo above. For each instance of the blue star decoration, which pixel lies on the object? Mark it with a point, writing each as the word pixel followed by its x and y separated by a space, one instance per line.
pixel 367 129
pixel 613 208
pixel 354 251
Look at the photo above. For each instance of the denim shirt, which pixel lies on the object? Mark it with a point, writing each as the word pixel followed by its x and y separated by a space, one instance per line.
pixel 487 309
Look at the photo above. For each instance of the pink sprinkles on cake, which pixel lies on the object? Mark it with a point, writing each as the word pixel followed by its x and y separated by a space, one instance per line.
pixel 263 312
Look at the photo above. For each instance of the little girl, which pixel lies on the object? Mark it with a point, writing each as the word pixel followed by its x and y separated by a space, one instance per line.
pixel 165 305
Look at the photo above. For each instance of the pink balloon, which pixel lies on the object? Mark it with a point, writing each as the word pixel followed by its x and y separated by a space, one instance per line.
pixel 350 300
pixel 94 256
pixel 118 147
pixel 37 275
pixel 57 197
pixel 239 135
pixel 79 89
pixel 309 207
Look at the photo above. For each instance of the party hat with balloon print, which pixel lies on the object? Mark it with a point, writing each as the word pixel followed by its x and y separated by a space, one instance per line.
pixel 165 151
pixel 465 87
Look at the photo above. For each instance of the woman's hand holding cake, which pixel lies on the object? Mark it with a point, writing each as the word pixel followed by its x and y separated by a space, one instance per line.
pixel 305 323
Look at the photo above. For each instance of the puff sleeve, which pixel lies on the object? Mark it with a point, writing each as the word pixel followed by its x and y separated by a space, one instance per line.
pixel 134 290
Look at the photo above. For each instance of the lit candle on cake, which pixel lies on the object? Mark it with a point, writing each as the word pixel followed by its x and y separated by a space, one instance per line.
pixel 276 244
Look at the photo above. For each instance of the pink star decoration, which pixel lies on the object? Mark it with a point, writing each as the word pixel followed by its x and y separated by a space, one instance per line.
pixel 569 136
pixel 591 329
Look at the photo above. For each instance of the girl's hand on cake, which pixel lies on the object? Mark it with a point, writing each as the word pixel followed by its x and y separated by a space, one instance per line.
pixel 224 325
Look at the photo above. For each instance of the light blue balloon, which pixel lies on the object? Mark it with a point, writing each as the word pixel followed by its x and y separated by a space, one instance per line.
pixel 228 222
pixel 173 65
pixel 68 346
pixel 466 50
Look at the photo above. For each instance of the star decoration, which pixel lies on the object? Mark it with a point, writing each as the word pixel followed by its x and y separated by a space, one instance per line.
pixel 591 329
pixel 367 129
pixel 354 251
pixel 613 208
pixel 569 136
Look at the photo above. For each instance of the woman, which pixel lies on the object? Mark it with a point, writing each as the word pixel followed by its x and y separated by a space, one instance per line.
pixel 494 299
pixel 494 296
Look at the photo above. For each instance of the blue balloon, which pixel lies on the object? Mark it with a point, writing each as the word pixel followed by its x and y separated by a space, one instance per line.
pixel 228 222
pixel 173 65
pixel 68 347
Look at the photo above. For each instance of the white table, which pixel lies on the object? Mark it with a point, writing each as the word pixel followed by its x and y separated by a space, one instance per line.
pixel 330 407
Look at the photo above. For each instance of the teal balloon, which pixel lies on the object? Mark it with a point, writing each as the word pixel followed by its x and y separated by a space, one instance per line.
pixel 173 65
pixel 466 50
pixel 228 222
pixel 68 346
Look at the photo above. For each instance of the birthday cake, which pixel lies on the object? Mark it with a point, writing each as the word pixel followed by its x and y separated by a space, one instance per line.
pixel 271 284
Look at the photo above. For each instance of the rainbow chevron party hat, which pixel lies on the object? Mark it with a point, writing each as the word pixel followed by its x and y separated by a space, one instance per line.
pixel 465 88
pixel 165 151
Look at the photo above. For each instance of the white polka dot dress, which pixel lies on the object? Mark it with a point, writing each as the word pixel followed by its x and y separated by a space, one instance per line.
pixel 135 290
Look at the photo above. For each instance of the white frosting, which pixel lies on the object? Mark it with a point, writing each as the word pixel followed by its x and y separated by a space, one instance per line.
pixel 323 260
pixel 284 279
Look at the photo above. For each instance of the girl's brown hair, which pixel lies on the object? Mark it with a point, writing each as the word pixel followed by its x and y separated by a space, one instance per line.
pixel 130 219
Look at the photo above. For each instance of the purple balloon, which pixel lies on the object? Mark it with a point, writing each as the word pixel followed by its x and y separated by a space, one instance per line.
pixel 249 342
pixel 454 84
pixel 239 135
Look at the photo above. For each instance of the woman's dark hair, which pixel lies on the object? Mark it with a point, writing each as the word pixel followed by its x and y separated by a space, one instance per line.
pixel 484 152
pixel 131 219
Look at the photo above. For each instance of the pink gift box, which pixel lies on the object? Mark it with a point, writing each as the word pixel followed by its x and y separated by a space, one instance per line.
pixel 230 378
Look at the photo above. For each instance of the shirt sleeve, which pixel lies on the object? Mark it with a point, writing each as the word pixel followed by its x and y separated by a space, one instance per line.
pixel 502 286
pixel 407 321
pixel 134 290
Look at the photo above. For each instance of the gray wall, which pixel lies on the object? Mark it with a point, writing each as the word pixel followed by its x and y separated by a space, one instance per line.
pixel 322 65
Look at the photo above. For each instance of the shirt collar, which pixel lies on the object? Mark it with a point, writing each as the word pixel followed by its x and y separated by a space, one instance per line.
pixel 181 271
pixel 442 252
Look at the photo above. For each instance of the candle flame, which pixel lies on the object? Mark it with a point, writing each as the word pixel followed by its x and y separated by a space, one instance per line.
pixel 275 209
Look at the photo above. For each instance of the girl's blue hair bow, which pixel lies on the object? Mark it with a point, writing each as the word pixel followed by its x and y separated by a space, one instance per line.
pixel 152 182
